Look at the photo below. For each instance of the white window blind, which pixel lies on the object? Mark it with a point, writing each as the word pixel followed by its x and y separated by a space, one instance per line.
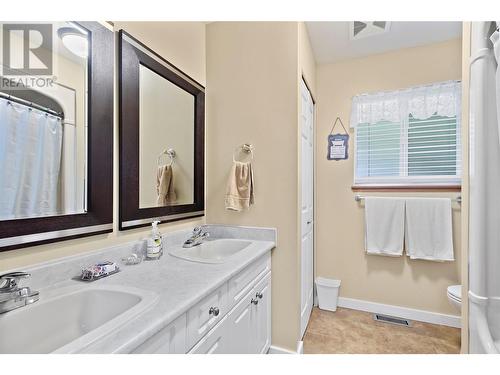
pixel 409 136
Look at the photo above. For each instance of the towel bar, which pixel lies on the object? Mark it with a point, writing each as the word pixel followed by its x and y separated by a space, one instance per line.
pixel 358 198
pixel 247 148
pixel 170 152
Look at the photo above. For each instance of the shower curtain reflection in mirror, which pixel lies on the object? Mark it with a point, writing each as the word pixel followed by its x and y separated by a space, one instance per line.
pixel 30 161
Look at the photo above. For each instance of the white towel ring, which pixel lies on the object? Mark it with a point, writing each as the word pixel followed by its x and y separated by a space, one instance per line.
pixel 170 153
pixel 247 148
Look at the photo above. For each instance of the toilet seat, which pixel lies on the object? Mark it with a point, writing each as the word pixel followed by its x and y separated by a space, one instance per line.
pixel 455 292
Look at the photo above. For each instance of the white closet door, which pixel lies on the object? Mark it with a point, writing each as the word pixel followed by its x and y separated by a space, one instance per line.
pixel 307 213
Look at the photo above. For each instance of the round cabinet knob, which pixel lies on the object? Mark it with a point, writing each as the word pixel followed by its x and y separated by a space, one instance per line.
pixel 254 301
pixel 214 311
pixel 258 295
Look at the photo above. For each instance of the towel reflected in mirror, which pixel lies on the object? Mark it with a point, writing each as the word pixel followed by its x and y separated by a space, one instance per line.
pixel 165 186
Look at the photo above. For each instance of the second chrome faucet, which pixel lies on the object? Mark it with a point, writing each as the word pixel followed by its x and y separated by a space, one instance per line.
pixel 197 237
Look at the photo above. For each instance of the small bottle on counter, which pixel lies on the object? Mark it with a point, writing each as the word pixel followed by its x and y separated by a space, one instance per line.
pixel 155 246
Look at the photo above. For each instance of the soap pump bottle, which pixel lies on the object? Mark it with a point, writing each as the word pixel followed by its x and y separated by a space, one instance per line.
pixel 155 246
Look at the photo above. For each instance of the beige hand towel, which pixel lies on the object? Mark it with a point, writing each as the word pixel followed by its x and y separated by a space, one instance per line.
pixel 240 187
pixel 165 186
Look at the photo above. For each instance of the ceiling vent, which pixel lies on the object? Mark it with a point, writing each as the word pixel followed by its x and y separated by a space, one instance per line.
pixel 363 29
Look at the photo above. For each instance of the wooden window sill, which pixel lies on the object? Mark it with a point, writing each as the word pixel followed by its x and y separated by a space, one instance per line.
pixel 422 188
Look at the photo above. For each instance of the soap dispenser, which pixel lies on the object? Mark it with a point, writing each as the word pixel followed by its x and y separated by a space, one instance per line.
pixel 155 246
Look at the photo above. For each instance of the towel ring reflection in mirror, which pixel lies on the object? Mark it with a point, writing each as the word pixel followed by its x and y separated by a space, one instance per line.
pixel 245 148
pixel 170 152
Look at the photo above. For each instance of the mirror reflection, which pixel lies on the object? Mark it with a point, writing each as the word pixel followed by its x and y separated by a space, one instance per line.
pixel 166 142
pixel 43 127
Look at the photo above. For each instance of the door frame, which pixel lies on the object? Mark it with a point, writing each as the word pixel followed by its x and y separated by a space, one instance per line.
pixel 299 200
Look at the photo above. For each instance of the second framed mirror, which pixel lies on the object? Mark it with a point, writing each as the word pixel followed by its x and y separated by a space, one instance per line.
pixel 162 120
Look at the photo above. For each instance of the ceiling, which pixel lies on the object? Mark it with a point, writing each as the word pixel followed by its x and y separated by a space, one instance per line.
pixel 331 41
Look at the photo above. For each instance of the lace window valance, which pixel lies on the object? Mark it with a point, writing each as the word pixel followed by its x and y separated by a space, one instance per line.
pixel 422 102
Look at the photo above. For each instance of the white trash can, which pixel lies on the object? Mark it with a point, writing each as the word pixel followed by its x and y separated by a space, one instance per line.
pixel 328 293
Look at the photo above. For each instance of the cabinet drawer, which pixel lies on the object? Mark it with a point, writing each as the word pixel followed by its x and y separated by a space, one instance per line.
pixel 170 340
pixel 244 281
pixel 205 314
pixel 214 342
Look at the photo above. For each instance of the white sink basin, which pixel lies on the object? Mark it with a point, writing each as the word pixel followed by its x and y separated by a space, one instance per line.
pixel 66 320
pixel 216 251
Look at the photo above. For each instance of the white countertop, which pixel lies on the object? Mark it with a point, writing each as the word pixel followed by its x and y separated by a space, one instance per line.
pixel 179 284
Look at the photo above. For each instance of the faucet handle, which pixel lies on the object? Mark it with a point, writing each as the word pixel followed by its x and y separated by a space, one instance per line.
pixel 9 281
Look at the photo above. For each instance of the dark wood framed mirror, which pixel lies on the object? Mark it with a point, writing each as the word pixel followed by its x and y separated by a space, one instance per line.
pixel 162 121
pixel 56 175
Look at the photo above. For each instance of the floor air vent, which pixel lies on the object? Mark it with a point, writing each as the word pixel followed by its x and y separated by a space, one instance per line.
pixel 392 320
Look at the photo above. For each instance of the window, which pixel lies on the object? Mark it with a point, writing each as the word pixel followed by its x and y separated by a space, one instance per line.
pixel 408 137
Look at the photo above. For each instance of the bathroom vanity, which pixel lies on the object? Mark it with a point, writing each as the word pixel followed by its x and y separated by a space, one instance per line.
pixel 170 305
pixel 235 318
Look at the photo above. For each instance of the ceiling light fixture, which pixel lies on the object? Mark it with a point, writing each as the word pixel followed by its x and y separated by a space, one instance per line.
pixel 75 41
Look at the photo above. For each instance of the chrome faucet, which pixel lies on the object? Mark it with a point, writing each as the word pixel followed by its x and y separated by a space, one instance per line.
pixel 11 295
pixel 197 237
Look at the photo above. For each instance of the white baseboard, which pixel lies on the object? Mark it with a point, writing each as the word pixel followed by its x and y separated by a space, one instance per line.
pixel 300 347
pixel 273 349
pixel 401 312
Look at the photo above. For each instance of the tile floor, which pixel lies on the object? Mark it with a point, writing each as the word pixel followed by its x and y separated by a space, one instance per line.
pixel 355 332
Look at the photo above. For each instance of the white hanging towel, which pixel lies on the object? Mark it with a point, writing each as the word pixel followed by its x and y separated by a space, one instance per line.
pixel 429 233
pixel 384 225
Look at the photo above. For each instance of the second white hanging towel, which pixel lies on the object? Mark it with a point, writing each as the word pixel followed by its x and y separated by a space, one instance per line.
pixel 429 232
pixel 384 225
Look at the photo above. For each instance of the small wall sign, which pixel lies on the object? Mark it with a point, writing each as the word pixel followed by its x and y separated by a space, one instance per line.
pixel 338 144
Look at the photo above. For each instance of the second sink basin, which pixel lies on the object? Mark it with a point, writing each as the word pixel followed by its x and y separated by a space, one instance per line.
pixel 66 320
pixel 216 251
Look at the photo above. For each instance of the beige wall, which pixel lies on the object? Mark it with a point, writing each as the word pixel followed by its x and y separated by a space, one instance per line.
pixel 181 43
pixel 252 89
pixel 306 59
pixel 184 45
pixel 339 219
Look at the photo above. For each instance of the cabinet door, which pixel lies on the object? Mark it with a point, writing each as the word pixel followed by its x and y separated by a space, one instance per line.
pixel 261 316
pixel 239 330
pixel 243 282
pixel 170 340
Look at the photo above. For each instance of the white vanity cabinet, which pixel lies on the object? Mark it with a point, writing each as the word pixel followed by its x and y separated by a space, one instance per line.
pixel 206 314
pixel 170 340
pixel 246 329
pixel 248 326
pixel 235 318
pixel 261 321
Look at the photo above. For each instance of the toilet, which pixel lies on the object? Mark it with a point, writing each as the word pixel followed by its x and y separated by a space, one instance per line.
pixel 454 293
